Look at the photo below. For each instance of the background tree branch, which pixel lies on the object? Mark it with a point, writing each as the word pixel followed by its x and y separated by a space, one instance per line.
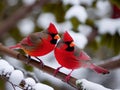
pixel 18 15
pixel 34 63
pixel 111 64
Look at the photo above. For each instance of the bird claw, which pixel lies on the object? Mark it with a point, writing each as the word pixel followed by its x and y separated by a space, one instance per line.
pixel 56 71
pixel 67 78
pixel 41 62
pixel 29 59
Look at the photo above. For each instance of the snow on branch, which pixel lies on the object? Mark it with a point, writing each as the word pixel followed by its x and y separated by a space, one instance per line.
pixel 112 63
pixel 84 84
pixel 16 78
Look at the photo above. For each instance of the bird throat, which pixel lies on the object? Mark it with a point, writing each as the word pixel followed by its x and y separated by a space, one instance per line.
pixel 53 41
pixel 70 49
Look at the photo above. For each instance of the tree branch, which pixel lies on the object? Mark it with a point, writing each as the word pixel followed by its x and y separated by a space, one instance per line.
pixel 112 63
pixel 87 85
pixel 92 35
pixel 19 14
pixel 34 63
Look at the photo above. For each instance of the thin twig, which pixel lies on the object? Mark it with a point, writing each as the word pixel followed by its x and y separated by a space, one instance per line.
pixel 13 85
pixel 92 35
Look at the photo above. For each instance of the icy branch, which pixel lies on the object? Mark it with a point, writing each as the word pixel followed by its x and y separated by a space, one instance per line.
pixel 84 84
pixel 112 63
pixel 6 51
pixel 16 78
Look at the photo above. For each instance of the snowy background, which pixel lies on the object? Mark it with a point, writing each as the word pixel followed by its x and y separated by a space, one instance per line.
pixel 80 18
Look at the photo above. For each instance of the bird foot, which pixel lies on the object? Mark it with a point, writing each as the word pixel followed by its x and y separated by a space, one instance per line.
pixel 56 71
pixel 29 59
pixel 67 78
pixel 41 62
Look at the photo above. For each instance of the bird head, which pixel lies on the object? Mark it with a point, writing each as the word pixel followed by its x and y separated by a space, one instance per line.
pixel 53 32
pixel 52 29
pixel 68 41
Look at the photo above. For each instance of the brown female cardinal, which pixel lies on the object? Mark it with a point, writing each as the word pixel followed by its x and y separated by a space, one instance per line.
pixel 39 43
pixel 70 56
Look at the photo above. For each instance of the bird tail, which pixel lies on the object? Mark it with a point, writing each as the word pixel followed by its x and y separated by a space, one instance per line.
pixel 17 46
pixel 99 69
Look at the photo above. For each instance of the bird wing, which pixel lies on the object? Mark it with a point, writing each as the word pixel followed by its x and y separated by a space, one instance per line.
pixel 26 41
pixel 80 54
pixel 34 40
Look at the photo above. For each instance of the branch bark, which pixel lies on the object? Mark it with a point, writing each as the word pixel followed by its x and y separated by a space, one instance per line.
pixel 34 63
pixel 92 35
pixel 111 64
pixel 19 14
pixel 87 85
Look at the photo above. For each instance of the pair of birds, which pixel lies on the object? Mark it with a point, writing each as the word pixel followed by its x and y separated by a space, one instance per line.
pixel 66 52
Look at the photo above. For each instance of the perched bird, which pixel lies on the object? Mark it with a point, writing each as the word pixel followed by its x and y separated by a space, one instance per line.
pixel 72 57
pixel 39 43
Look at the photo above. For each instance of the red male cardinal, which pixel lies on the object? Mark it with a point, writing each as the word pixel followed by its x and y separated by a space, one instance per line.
pixel 70 56
pixel 39 43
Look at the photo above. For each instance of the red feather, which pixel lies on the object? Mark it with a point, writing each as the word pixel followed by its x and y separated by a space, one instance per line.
pixel 52 29
pixel 39 43
pixel 67 37
pixel 72 57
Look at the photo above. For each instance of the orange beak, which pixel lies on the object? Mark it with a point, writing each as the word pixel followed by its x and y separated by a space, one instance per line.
pixel 72 44
pixel 57 36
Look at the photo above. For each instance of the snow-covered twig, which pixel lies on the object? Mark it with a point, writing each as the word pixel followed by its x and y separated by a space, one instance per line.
pixel 84 84
pixel 6 51
pixel 17 79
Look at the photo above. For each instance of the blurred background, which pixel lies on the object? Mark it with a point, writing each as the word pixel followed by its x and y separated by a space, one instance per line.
pixel 94 25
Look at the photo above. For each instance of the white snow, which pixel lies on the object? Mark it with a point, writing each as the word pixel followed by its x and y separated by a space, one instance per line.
pixel 14 62
pixel 86 2
pixel 28 2
pixel 62 27
pixel 3 65
pixel 10 87
pixel 45 19
pixel 85 29
pixel 30 81
pixel 101 7
pixel 40 86
pixel 77 11
pixel 77 2
pixel 87 85
pixel 16 77
pixel 8 70
pixel 73 2
pixel 26 26
pixel 79 39
pixel 108 25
